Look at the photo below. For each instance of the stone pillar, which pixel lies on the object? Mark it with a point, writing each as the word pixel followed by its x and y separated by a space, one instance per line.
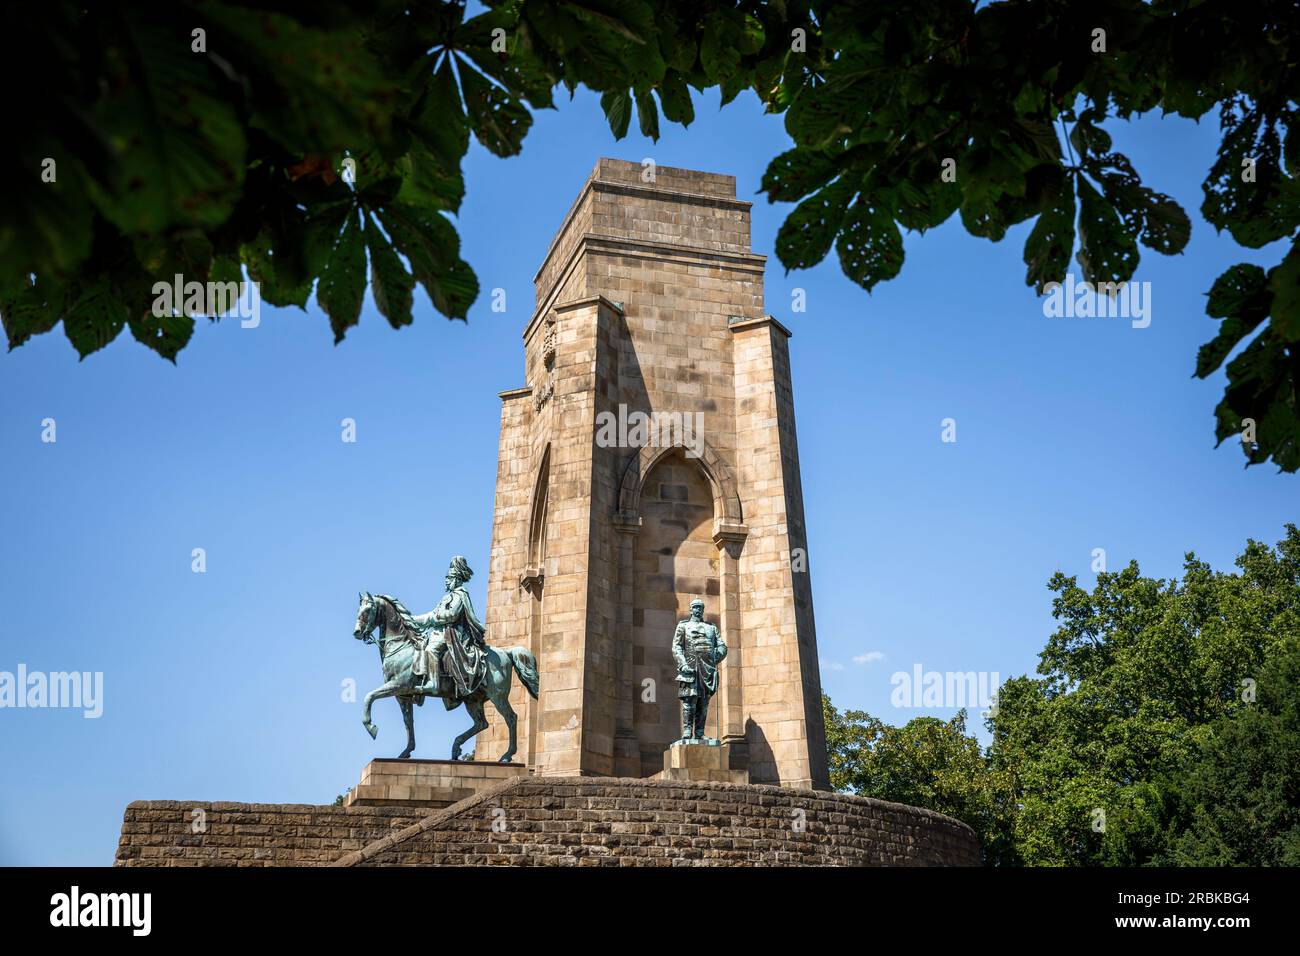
pixel 534 584
pixel 567 719
pixel 627 755
pixel 730 539
pixel 508 610
pixel 784 727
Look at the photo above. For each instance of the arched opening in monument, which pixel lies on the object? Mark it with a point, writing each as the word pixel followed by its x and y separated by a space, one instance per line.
pixel 676 561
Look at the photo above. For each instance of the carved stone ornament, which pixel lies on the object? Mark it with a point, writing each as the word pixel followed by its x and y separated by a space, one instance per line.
pixel 543 393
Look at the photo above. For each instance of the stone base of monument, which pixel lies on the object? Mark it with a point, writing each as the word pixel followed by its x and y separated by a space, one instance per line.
pixel 700 763
pixel 429 783
pixel 538 820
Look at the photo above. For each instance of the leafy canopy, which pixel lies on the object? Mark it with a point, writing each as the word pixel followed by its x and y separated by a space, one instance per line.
pixel 171 159
pixel 926 763
pixel 1163 728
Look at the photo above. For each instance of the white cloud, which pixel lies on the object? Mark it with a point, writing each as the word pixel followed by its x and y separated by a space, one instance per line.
pixel 869 658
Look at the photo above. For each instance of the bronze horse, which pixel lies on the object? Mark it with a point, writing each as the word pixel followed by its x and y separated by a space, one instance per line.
pixel 401 639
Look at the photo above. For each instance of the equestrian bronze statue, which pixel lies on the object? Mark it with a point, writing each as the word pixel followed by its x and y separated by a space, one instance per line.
pixel 442 654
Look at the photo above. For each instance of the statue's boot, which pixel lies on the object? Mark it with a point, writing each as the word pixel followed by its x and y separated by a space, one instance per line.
pixel 428 684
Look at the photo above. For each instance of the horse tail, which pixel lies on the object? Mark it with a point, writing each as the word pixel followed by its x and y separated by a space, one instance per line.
pixel 526 666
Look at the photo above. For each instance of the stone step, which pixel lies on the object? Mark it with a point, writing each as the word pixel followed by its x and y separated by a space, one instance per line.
pixel 432 783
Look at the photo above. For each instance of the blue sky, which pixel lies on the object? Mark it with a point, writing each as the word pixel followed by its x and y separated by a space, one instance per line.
pixel 1072 434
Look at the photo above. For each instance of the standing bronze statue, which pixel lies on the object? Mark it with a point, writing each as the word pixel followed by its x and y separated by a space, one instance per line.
pixel 442 654
pixel 698 648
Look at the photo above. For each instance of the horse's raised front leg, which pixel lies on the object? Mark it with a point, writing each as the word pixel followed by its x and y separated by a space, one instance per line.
pixel 475 709
pixel 386 690
pixel 408 715
pixel 508 715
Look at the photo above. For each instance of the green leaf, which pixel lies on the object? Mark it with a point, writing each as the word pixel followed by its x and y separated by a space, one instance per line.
pixel 32 308
pixel 166 334
pixel 390 283
pixel 1241 298
pixel 179 144
pixel 647 115
pixel 426 182
pixel 751 34
pixel 1152 217
pixel 1262 385
pixel 439 122
pixel 604 44
pixel 629 19
pixel 514 68
pixel 259 257
pixel 796 173
pixel 617 105
pixel 311 90
pixel 293 249
pixel 1168 228
pixel 922 199
pixel 314 242
pixel 226 269
pixel 732 86
pixel 187 252
pixel 807 233
pixel 47 224
pixel 1037 138
pixel 1088 139
pixel 1107 252
pixel 675 97
pixel 870 246
pixel 431 246
pixel 499 121
pixel 95 318
pixel 1264 207
pixel 342 285
pixel 1231 332
pixel 994 186
pixel 1048 247
pixel 1236 291
pixel 1284 283
pixel 824 113
pixel 677 43
pixel 718 56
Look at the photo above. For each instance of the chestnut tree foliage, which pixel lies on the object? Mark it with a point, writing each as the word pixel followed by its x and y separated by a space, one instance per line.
pixel 205 137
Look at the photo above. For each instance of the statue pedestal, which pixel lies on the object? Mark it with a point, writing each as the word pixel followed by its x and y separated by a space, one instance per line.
pixel 431 783
pixel 700 762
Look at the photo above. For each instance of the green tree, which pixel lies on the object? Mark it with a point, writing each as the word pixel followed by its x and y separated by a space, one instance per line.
pixel 1237 803
pixel 927 763
pixel 204 137
pixel 1141 688
pixel 1164 728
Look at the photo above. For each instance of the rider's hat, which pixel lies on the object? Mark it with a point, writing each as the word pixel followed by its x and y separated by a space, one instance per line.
pixel 460 568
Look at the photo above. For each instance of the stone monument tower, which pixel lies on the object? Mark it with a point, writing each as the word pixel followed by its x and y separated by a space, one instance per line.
pixel 651 460
pixel 648 464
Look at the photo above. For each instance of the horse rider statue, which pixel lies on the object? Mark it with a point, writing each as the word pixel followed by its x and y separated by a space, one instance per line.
pixel 455 648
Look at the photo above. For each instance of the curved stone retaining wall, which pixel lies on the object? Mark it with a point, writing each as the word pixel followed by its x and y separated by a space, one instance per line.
pixel 588 821
pixel 554 821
